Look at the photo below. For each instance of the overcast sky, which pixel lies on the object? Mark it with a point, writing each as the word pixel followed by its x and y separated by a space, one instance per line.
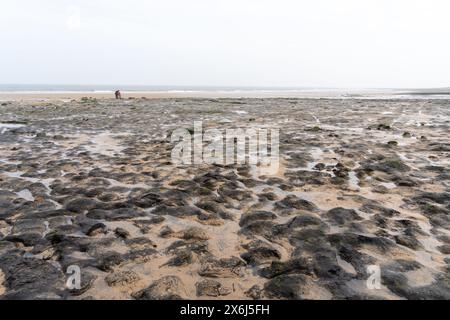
pixel 320 43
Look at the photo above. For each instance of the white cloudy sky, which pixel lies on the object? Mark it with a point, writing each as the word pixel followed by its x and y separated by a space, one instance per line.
pixel 325 43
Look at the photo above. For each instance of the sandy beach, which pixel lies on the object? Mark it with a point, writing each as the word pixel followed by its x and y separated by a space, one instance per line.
pixel 90 183
pixel 168 94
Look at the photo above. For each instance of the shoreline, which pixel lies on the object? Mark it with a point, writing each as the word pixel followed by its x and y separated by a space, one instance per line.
pixel 312 94
pixel 236 94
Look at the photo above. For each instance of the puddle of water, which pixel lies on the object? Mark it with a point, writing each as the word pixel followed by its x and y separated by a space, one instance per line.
pixel 353 180
pixel 104 144
pixel 6 161
pixel 115 183
pixel 26 194
pixel 47 228
pixel 388 185
pixel 345 265
pixel 18 174
pixel 7 126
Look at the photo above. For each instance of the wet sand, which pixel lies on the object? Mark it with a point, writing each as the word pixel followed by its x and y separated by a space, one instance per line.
pixel 90 183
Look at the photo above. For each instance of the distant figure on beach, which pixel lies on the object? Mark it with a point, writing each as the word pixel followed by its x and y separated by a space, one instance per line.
pixel 118 94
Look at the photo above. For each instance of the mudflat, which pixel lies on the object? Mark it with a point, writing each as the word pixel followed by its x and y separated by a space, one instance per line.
pixel 362 184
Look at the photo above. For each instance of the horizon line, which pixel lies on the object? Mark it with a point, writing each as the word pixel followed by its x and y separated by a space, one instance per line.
pixel 219 86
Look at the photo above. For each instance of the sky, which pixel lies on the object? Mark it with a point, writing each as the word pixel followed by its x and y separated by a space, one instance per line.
pixel 262 43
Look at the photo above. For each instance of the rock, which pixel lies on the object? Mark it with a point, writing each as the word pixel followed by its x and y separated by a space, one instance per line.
pixel 440 198
pixel 339 180
pixel 293 202
pixel 402 265
pixel 180 212
pixel 341 172
pixel 221 268
pixel 405 181
pixel 166 288
pixel 269 196
pixel 157 220
pixel 45 214
pixel 298 265
pixel 380 189
pixel 445 249
pixel 87 281
pixel 255 292
pixel 260 252
pixel 82 204
pixel 140 242
pixel 28 226
pixel 380 126
pixel 408 241
pixel 319 166
pixel 122 233
pixel 182 257
pixel 27 239
pixel 406 134
pixel 398 283
pixel 166 232
pixel 108 260
pixel 309 239
pixel 257 223
pixel 300 221
pixel 326 266
pixel 140 255
pixel 357 241
pixel 209 206
pixel 211 288
pixel 392 165
pixel 30 278
pixel 115 214
pixel 199 247
pixel 359 261
pixel 392 143
pixel 342 216
pixel 249 218
pixel 147 200
pixel 262 228
pixel 314 129
pixel 371 207
pixel 121 278
pixel 194 233
pixel 443 176
pixel 291 287
pixel 236 194
pixel 185 185
pixel 91 227
pixel 302 177
pixel 214 207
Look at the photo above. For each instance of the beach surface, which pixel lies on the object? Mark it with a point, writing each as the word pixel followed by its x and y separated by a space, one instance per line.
pixel 226 93
pixel 89 183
